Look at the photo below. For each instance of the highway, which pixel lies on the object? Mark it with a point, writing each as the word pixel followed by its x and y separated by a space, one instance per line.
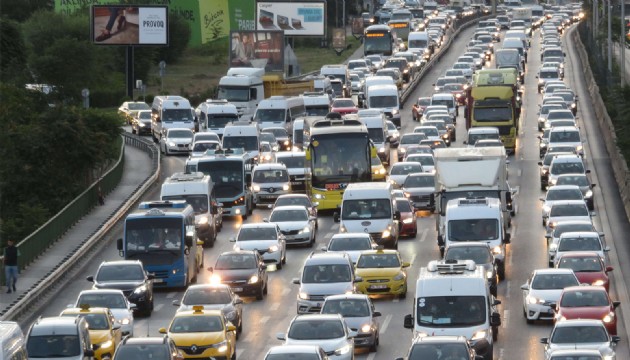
pixel 517 340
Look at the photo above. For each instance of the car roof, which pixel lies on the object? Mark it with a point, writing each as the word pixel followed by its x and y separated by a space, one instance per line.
pixel 294 348
pixel 579 322
pixel 582 234
pixel 553 271
pixel 347 296
pixel 288 208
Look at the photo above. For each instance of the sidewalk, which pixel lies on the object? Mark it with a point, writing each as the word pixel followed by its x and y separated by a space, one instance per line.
pixel 136 169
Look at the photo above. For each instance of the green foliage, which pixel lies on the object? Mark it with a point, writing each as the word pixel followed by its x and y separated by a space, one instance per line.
pixel 13 51
pixel 20 10
pixel 179 35
pixel 47 156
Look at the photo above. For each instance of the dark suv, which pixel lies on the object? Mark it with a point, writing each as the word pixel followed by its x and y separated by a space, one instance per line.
pixel 155 348
pixel 130 277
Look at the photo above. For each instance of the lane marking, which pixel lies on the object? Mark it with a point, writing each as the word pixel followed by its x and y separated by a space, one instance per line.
pixel 264 319
pixel 285 291
pixel 508 289
pixel 501 351
pixel 506 317
pixel 158 307
pixel 371 356
pixel 383 328
pixel 413 258
pixel 424 235
pixel 171 295
pixel 274 307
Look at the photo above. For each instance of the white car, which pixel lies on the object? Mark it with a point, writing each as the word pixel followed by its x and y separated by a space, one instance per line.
pixel 431 132
pixel 575 210
pixel 580 334
pixel 577 241
pixel 266 238
pixel 542 290
pixel 326 330
pixel 426 160
pixel 176 140
pixel 200 147
pixel 559 193
pixel 351 243
pixel 295 223
pixel 567 226
pixel 113 299
pixel 466 68
pixel 399 171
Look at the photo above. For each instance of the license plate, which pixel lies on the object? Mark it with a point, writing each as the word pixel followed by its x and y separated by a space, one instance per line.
pixel 295 183
pixel 378 287
pixel 266 196
pixel 158 280
pixel 239 289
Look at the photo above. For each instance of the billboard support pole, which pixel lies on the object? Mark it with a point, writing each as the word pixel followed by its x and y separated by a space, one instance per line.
pixel 129 65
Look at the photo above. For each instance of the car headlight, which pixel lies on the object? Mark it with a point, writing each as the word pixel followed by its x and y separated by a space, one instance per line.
pixel 170 143
pixel 541 81
pixel 546 208
pixel 305 229
pixel 609 317
pixel 343 229
pixel 395 112
pixel 489 274
pixel 140 289
pixel 382 171
pixel 319 196
pixel 445 136
pixel 407 221
pixel 106 345
pixel 386 234
pixel 589 194
pixel 400 276
pixel 302 295
pixel 458 95
pixel 598 282
pixel 579 148
pixel 497 250
pixel 256 188
pixel 478 335
pixel 273 248
pixel 253 279
pixel 215 279
pixel 553 247
pixel 230 315
pixel 541 119
pixel 343 350
pixel 366 328
pixel 402 150
pixel 285 187
pixel 533 300
pixel 141 124
pixel 552 181
pixel 381 150
pixel 125 321
pixel 202 220
pixel 286 142
pixel 222 346
pixel 573 106
pixel 405 71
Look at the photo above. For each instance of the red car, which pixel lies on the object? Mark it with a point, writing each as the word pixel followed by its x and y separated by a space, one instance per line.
pixel 344 106
pixel 458 91
pixel 407 217
pixel 587 302
pixel 588 267
pixel 418 108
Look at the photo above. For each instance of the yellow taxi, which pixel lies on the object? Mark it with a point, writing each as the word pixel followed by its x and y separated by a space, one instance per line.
pixel 104 331
pixel 378 170
pixel 203 334
pixel 382 272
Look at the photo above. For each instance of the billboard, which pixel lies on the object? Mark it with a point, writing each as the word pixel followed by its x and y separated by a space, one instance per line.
pixel 123 25
pixel 295 18
pixel 261 49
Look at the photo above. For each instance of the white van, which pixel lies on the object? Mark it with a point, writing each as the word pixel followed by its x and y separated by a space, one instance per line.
pixel 453 298
pixel 214 115
pixel 337 71
pixel 516 43
pixel 279 111
pixel 298 134
pixel 12 344
pixel 197 190
pixel 316 104
pixel 419 44
pixel 370 207
pixel 376 124
pixel 447 99
pixel 171 111
pixel 241 135
pixel 481 133
pixel 385 97
pixel 371 81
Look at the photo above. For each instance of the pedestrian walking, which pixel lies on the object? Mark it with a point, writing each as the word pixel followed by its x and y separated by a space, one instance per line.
pixel 11 254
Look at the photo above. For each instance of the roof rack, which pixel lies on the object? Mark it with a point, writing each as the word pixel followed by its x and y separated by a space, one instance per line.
pixel 447 267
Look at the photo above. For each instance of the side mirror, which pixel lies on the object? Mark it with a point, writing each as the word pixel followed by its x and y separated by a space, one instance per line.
pixel 336 217
pixel 397 215
pixel 495 319
pixel 150 277
pixel 296 281
pixel 266 220
pixel 357 279
pixel 616 304
pixel 593 185
pixel 465 142
pixel 232 239
pixel 609 269
pixel 189 239
pixel 281 336
pixel 524 287
pixel 270 206
pixel 496 302
pixel 119 244
pixel 406 264
pixel 587 171
pixel 210 269
pixel 408 322
pixel 231 328
pixel 116 326
pixel 323 248
pixel 176 303
pixel 544 340
pixel 162 330
pixel 90 278
pixel 615 339
pixel 540 163
pixel 376 314
pixel 315 204
pixel 90 352
pixel 507 238
pixel 132 306
pixel 238 300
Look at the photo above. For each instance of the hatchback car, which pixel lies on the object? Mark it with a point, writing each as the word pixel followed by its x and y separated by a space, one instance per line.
pixel 105 332
pixel 344 106
pixel 588 267
pixel 244 271
pixel 359 314
pixel 296 224
pixel 567 210
pixel 155 348
pixel 283 352
pixel 585 185
pixel 407 140
pixel 588 302
pixel 408 218
pixel 542 291
pixel 580 334
pixel 382 272
pixel 199 148
pixel 141 122
pixel 266 239
pixel 297 199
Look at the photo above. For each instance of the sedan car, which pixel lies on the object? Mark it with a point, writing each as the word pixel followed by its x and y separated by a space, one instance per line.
pixel 567 226
pixel 419 189
pixel 584 184
pixel 567 210
pixel 214 297
pixel 201 147
pixel 382 272
pixel 458 90
pixel 393 132
pixel 408 217
pixel 481 254
pixel 128 109
pixel 542 291
pixel 282 137
pixel 329 331
pixel 588 302
pixel 558 193
pixel 244 271
pixel 398 172
pixel 407 140
pixel 580 334
pixel 589 267
pixel 351 243
pixel 313 352
pixel 266 239
pixel 577 241
pixel 297 199
pixel 105 332
pixel 360 315
pixel 176 141
pixel 296 224
pixel 141 122
pixel 113 299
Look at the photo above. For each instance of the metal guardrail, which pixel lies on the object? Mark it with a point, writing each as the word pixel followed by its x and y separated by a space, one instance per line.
pixel 56 276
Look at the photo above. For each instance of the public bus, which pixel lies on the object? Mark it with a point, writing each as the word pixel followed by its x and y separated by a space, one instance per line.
pixel 379 40
pixel 402 28
pixel 161 234
pixel 339 153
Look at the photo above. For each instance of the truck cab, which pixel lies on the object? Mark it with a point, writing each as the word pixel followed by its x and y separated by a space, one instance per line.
pixel 214 115
pixel 244 88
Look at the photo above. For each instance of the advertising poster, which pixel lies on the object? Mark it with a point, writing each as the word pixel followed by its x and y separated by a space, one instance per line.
pixel 339 38
pixel 295 18
pixel 215 20
pixel 121 25
pixel 261 49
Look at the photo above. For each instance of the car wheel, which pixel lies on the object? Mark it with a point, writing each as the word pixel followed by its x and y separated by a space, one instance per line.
pixel 374 346
pixel 495 334
pixel 279 265
pixel 259 294
pixel 244 216
pixel 265 289
pixel 133 131
pixel 234 354
pixel 414 234
pixel 284 259
pixel 501 271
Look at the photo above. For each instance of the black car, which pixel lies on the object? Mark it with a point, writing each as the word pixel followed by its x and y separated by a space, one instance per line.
pixel 130 277
pixel 155 348
pixel 243 270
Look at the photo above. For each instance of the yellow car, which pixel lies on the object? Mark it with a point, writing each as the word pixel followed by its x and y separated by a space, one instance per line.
pixel 378 170
pixel 203 334
pixel 104 331
pixel 382 272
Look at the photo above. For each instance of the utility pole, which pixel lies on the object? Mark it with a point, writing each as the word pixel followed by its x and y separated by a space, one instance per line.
pixel 610 38
pixel 622 42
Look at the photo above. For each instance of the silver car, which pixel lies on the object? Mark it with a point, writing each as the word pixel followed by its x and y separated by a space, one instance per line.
pixel 113 299
pixel 399 172
pixel 419 189
pixel 295 223
pixel 266 238
pixel 359 313
pixel 350 243
pixel 580 334
pixel 176 141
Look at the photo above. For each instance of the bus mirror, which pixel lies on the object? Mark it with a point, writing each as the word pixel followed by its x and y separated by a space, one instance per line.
pixel 189 238
pixel 373 152
pixel 307 156
pixel 119 244
pixel 397 215
pixel 336 217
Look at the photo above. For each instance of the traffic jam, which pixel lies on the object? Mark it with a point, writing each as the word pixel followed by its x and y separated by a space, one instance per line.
pixel 307 205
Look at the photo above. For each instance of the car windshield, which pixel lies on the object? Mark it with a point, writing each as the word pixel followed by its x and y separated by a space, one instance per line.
pixel 180 134
pixel 545 109
pixel 257 233
pixel 350 244
pixel 472 138
pixel 112 301
pixel 419 181
pixel 236 261
pixel 138 106
pixel 579 335
pixel 378 261
pixel 579 180
pixel 564 136
pixel 53 346
pixel 343 103
pixel 424 101
pixel 195 324
pixel 553 281
pixel 291 162
pixel 366 209
pixel 447 102
pixel 326 274
pixel 449 351
pixel 581 264
pixel 385 101
pixel 473 229
pixel 120 273
pixel 297 356
pixel 347 307
pixel 207 296
pixel 405 169
pixel 451 311
pixel 556 115
pixel 205 146
pixel 288 215
pixel 293 200
pixel 268 137
pixel 427 131
pixel 412 139
pixel 279 133
pixel 269 115
pixel 568 210
pixel 564 194
pixel 579 298
pixel 96 321
pixel 549 75
pixel 403 206
pixel 579 244
pixel 478 254
pixel 573 167
pixel 270 176
pixel 316 330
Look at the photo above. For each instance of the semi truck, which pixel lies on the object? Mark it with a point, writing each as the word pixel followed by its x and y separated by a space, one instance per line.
pixel 470 173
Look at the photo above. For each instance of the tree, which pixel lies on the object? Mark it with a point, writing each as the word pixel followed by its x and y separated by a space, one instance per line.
pixel 20 10
pixel 13 52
